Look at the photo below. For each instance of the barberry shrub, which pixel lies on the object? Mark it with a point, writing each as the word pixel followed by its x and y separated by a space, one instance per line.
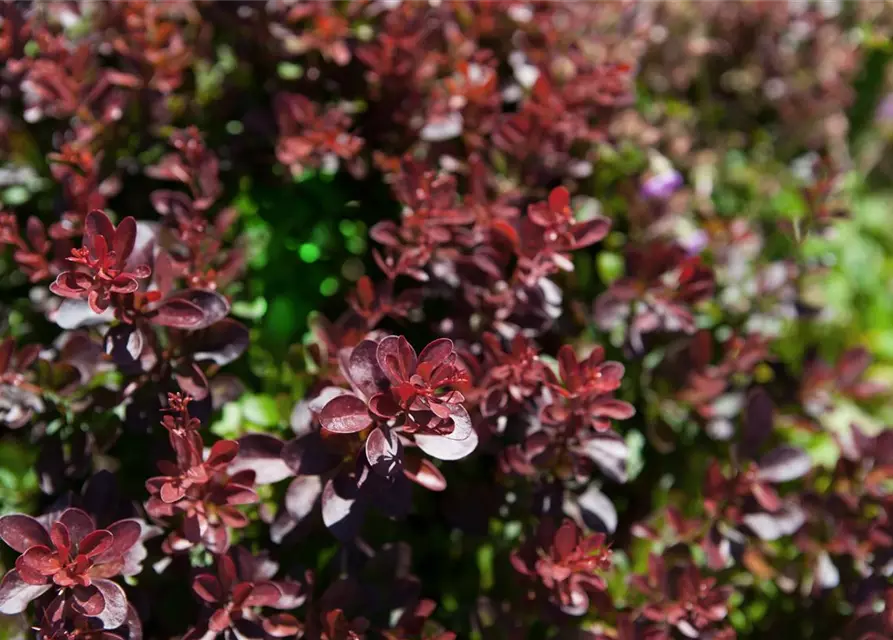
pixel 437 320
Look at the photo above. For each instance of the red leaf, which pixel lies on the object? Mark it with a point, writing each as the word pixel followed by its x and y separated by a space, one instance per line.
pixel 96 543
pixel 126 534
pixel 208 588
pixel 97 225
pixel 222 453
pixel 423 472
pixel 559 199
pixel 125 239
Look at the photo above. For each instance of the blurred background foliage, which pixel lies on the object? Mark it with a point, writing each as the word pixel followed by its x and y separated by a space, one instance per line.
pixel 308 245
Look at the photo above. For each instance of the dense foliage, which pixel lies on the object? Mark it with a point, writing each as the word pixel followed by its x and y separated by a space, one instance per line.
pixel 408 320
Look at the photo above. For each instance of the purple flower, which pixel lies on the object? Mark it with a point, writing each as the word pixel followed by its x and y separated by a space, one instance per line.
pixel 661 185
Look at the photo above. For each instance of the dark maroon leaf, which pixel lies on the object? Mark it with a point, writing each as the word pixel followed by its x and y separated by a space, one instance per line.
pixel 308 455
pixel 281 625
pixel 125 239
pixel 783 464
pixel 222 342
pixel 124 343
pixel 590 231
pixel 383 451
pixel 97 224
pixel 261 453
pixel 342 511
pixel 207 587
pixel 223 452
pixel 597 510
pixel 214 307
pixel 192 381
pixel 96 543
pixel 757 422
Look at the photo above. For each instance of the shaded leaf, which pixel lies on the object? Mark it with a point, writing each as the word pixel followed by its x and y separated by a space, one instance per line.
pixel 783 464
pixel 261 453
pixel 597 510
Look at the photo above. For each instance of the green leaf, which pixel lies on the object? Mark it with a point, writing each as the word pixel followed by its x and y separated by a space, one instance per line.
pixel 260 410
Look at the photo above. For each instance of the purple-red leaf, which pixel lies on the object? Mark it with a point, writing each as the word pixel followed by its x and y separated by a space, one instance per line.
pixel 214 307
pixel 306 411
pixel 78 523
pixel 363 370
pixel 223 452
pixel 125 239
pixel 115 611
pixel 454 446
pixel 345 414
pixel 20 532
pixel 126 534
pixel 222 342
pixel 96 543
pixel 590 231
pixel 614 409
pixel 89 600
pixel 179 314
pixel 437 351
pixel 397 358
pixel 16 594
